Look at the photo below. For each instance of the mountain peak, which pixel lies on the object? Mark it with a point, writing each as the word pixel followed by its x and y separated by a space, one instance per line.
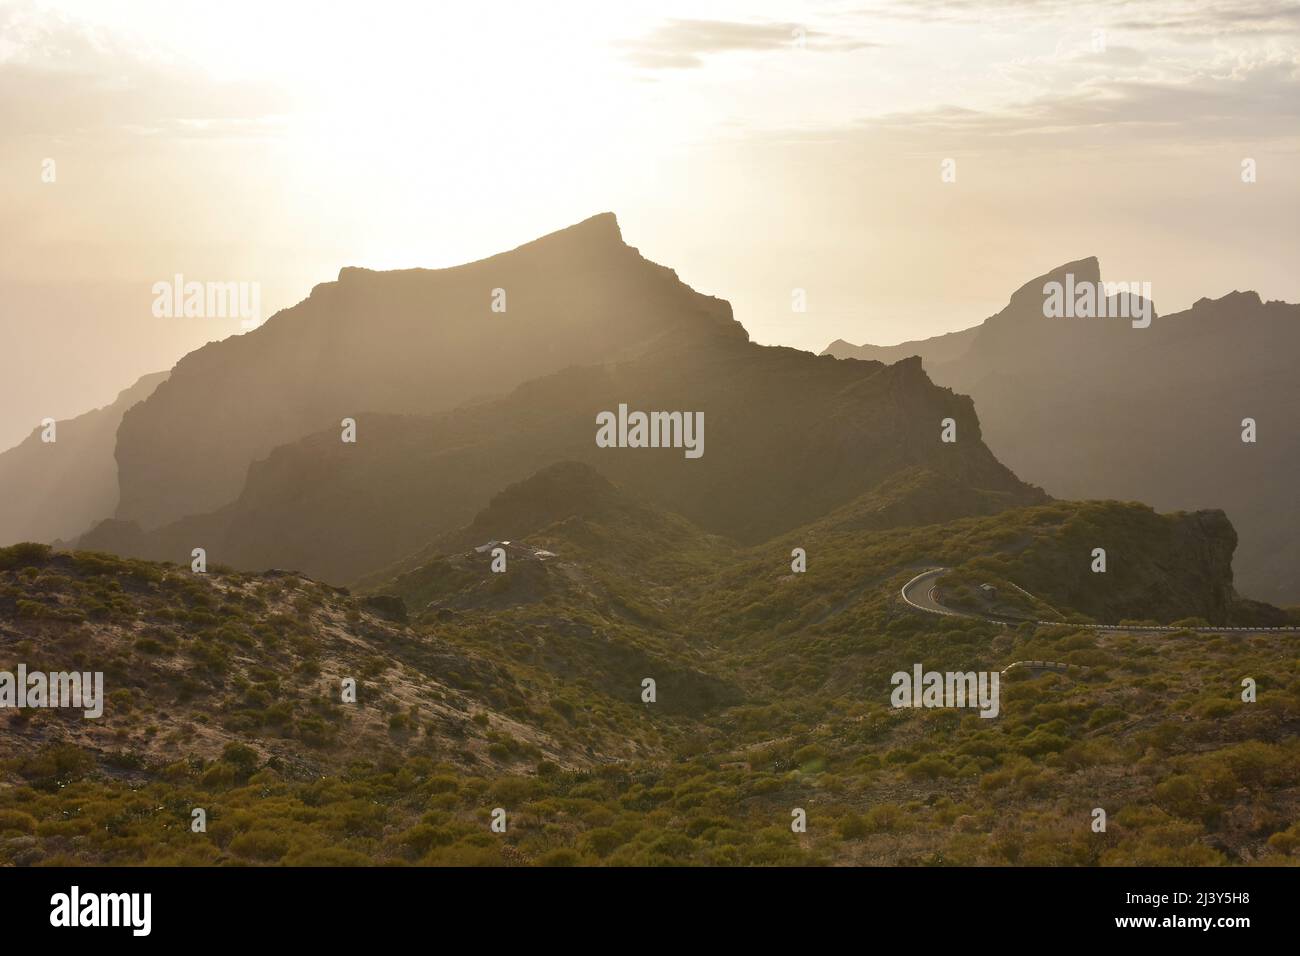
pixel 1084 270
pixel 600 231
pixel 1233 300
pixel 602 224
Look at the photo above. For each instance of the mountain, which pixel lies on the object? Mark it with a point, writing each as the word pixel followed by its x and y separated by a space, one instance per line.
pixel 941 348
pixel 787 436
pixel 416 341
pixel 55 490
pixel 1096 408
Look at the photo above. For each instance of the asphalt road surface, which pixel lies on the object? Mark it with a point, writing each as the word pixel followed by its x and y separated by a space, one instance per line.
pixel 920 594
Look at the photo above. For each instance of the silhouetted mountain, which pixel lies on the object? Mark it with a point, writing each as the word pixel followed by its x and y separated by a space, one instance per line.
pixel 53 490
pixel 938 349
pixel 1095 408
pixel 787 436
pixel 408 342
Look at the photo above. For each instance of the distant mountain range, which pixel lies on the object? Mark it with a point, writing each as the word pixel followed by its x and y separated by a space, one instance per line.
pixel 1095 408
pixel 54 490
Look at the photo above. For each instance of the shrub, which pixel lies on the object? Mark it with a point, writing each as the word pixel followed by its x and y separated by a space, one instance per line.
pixel 12 820
pixel 25 554
pixel 885 817
pixel 561 857
pixel 265 846
pixel 853 827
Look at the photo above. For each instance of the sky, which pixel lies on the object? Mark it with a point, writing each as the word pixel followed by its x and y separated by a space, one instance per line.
pixel 756 148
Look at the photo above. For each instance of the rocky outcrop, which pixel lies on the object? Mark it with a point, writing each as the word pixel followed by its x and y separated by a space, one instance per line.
pixel 1158 567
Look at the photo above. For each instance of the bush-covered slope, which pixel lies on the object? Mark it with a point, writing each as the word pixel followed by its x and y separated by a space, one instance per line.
pixel 522 691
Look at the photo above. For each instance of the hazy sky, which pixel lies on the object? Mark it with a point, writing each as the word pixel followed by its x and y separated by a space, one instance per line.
pixel 754 147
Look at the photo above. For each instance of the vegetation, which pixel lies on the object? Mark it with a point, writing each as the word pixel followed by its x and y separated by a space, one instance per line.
pixel 524 690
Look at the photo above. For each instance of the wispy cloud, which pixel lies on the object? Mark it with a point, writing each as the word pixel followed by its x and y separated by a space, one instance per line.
pixel 63 78
pixel 1170 17
pixel 1259 100
pixel 1254 100
pixel 1259 17
pixel 684 44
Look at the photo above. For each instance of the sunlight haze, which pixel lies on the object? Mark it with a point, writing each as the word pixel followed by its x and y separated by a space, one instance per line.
pixel 755 148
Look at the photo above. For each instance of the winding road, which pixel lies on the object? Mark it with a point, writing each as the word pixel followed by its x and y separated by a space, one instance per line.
pixel 920 594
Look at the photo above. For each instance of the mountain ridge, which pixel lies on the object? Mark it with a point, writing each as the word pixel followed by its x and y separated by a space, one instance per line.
pixel 1094 408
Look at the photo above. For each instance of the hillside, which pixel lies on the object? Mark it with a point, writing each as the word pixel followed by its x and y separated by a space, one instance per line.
pixel 521 690
pixel 595 583
pixel 195 663
pixel 1094 408
pixel 576 503
pixel 801 629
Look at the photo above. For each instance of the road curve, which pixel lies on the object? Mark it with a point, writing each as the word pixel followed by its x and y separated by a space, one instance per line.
pixel 919 593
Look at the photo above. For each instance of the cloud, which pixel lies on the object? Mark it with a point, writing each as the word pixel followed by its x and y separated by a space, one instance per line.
pixel 1169 17
pixel 1258 17
pixel 1261 100
pixel 1238 100
pixel 683 44
pixel 64 79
